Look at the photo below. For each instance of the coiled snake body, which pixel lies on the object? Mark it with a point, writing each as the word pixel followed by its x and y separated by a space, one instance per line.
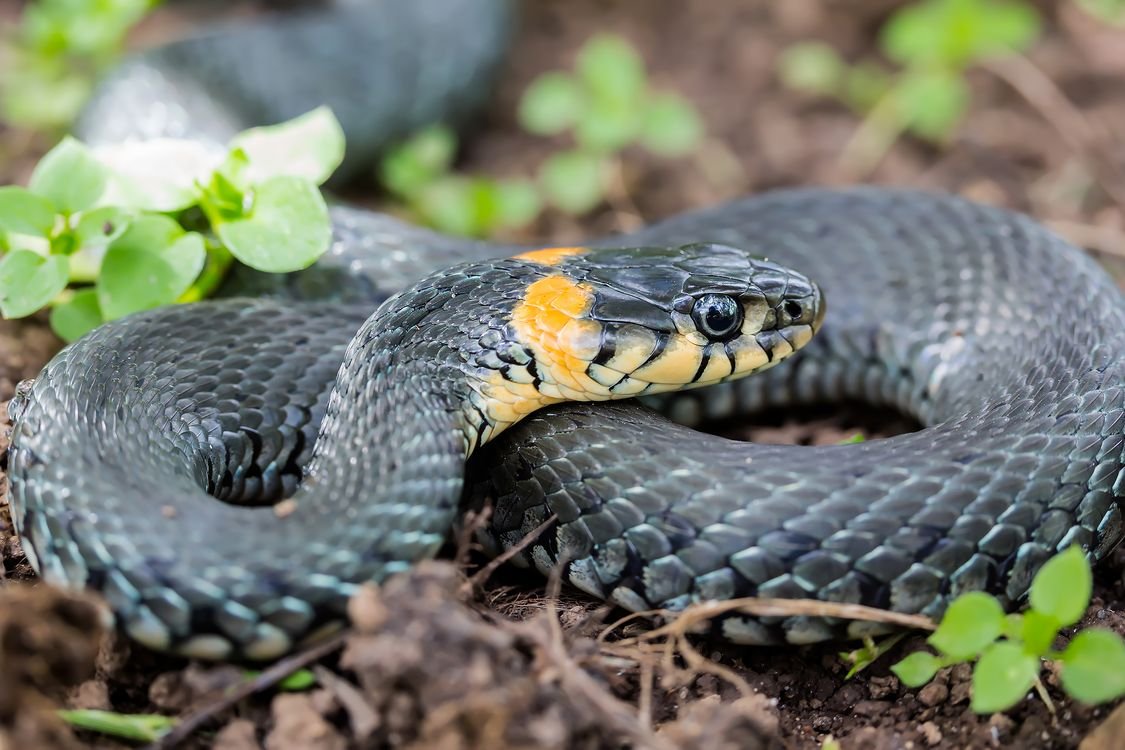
pixel 1004 341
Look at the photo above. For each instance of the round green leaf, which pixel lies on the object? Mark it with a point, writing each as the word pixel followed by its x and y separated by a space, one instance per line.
pixel 1038 631
pixel 1094 666
pixel 573 181
pixel 1002 677
pixel 450 204
pixel 286 230
pixel 932 102
pixel 158 175
pixel 418 161
pixel 672 126
pixel 28 281
pixel 518 202
pixel 101 225
pixel 77 316
pixel 551 104
pixel 952 33
pixel 972 621
pixel 69 176
pixel 611 70
pixel 917 669
pixel 309 146
pixel 1063 586
pixel 811 66
pixel 607 127
pixel 24 212
pixel 134 278
pixel 150 233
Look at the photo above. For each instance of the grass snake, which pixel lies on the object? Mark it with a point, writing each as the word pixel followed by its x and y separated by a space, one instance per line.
pixel 1006 343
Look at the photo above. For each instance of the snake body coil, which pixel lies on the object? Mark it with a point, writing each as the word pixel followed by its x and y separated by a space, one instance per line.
pixel 1005 342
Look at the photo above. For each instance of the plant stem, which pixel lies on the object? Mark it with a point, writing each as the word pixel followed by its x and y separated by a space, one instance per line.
pixel 219 261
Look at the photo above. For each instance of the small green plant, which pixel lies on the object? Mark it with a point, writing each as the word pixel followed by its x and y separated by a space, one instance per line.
pixel 933 43
pixel 418 172
pixel 1010 649
pixel 97 235
pixel 606 105
pixel 52 57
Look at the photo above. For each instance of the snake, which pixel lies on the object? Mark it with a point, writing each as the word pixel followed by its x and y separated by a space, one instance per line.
pixel 226 474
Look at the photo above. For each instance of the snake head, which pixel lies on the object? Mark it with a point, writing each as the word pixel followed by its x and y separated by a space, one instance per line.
pixel 613 323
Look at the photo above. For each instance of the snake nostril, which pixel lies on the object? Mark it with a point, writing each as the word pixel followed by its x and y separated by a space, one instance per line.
pixel 793 309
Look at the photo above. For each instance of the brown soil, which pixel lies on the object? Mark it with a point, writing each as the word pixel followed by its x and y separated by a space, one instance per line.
pixel 433 662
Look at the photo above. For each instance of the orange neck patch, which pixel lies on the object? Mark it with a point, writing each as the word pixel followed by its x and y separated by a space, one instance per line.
pixel 550 256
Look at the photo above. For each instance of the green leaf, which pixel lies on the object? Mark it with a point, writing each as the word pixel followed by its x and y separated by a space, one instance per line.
pixel 551 104
pixel 77 316
pixel 672 126
pixel 1038 631
pixel 138 727
pixel 286 230
pixel 1063 586
pixel 224 197
pixel 518 203
pixel 917 669
pixel 407 169
pixel 953 33
pixel 101 225
pixel 811 66
pixel 852 439
pixel 932 102
pixel 309 146
pixel 28 281
pixel 24 212
pixel 476 207
pixel 865 85
pixel 612 70
pixel 450 204
pixel 972 621
pixel 151 233
pixel 69 176
pixel 1094 666
pixel 162 174
pixel 302 679
pixel 573 181
pixel 134 279
pixel 608 127
pixel 1002 677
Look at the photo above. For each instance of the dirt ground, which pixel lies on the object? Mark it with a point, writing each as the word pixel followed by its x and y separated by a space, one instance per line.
pixel 437 659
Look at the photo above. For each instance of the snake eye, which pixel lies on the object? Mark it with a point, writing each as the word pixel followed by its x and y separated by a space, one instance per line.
pixel 717 315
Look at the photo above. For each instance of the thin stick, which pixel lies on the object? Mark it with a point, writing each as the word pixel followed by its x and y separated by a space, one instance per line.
pixel 481 576
pixel 267 679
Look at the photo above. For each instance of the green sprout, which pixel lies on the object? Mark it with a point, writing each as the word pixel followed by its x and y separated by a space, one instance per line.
pixel 99 234
pixel 417 172
pixel 1010 649
pixel 606 104
pixel 53 56
pixel 933 43
pixel 136 727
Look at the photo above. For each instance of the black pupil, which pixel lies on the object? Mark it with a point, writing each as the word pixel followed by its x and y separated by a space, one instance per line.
pixel 717 315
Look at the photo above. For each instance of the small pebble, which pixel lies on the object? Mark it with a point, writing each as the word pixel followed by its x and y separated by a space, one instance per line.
pixel 933 694
pixel 932 734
